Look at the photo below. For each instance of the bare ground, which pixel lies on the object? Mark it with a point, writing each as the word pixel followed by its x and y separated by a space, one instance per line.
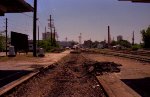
pixel 28 62
pixel 68 78
pixel 134 73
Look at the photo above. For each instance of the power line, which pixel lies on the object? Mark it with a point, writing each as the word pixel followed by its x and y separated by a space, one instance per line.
pixel 27 15
pixel 41 24
pixel 18 26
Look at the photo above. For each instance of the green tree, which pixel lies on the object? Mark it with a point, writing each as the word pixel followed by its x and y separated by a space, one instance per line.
pixel 146 37
pixel 124 43
pixel 94 44
pixel 136 47
pixel 2 43
pixel 47 45
pixel 113 43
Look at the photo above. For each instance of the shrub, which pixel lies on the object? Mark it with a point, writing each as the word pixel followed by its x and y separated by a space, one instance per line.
pixel 136 47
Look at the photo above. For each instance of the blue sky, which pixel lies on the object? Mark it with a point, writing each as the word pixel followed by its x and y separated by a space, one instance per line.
pixel 89 17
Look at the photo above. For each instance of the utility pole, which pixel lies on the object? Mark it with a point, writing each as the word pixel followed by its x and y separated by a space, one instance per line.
pixel 66 41
pixel 6 35
pixel 38 36
pixel 51 29
pixel 54 37
pixel 34 27
pixel 133 38
pixel 108 36
pixel 44 34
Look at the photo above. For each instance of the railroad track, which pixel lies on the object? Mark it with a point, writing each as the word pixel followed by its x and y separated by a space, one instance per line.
pixel 8 76
pixel 66 78
pixel 131 56
pixel 137 56
pixel 140 52
pixel 61 80
pixel 14 80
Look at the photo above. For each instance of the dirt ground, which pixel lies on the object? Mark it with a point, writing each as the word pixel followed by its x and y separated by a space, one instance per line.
pixel 27 62
pixel 134 74
pixel 130 69
pixel 68 78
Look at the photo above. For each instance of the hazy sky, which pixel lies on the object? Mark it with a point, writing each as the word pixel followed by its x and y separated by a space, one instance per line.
pixel 89 17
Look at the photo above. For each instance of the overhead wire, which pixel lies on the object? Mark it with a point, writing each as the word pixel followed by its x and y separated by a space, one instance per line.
pixel 27 15
pixel 41 24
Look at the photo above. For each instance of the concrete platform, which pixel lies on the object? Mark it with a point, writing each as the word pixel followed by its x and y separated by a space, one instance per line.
pixel 114 87
pixel 28 66
pixel 33 63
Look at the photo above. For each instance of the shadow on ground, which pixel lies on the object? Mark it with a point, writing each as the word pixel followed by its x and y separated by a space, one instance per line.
pixel 7 76
pixel 141 86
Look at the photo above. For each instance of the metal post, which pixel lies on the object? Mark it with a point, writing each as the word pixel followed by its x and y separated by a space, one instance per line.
pixel 34 27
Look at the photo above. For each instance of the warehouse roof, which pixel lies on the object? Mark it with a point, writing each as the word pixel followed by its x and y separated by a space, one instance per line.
pixel 14 6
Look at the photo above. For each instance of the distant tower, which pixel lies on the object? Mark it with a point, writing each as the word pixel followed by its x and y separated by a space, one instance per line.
pixel 119 37
pixel 66 39
pixel 80 39
pixel 108 36
pixel 57 36
pixel 133 38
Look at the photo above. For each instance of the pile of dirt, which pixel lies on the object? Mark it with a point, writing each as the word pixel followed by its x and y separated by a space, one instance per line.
pixel 102 67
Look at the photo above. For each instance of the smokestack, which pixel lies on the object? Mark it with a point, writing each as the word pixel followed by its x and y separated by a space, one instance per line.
pixel 108 36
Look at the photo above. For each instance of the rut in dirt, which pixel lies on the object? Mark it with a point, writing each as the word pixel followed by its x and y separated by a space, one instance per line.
pixel 69 78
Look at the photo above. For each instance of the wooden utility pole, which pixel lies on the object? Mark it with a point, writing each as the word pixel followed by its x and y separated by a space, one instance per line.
pixel 6 35
pixel 51 29
pixel 44 34
pixel 34 27
pixel 133 38
pixel 38 36
pixel 54 37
